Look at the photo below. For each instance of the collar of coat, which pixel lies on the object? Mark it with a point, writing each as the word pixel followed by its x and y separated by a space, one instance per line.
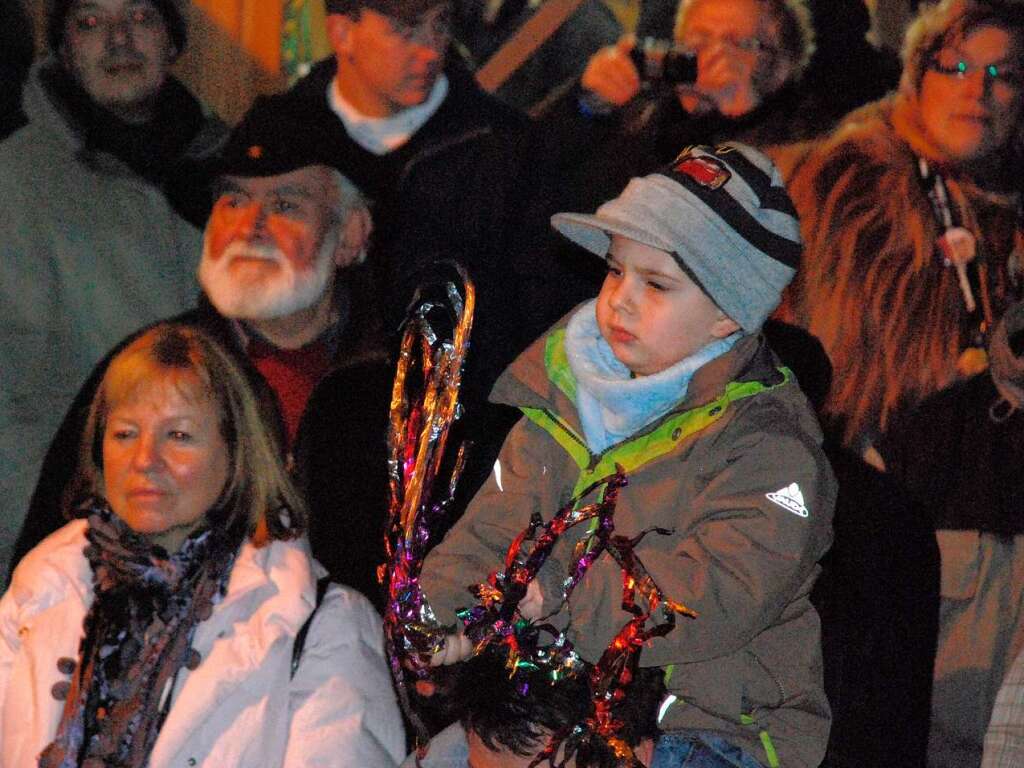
pixel 184 131
pixel 527 384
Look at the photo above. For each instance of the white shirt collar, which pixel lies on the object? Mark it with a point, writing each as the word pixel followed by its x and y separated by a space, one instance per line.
pixel 381 135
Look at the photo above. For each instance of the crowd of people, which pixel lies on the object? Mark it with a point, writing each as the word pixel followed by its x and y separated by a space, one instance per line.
pixel 769 272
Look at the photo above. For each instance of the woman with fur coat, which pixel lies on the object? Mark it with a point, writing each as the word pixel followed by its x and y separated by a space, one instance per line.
pixel 880 284
pixel 911 216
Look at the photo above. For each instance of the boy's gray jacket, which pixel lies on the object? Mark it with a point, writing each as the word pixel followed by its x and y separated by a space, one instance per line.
pixel 737 473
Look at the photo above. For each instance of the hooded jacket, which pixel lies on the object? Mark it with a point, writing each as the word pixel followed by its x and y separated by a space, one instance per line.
pixel 89 252
pixel 713 472
pixel 241 706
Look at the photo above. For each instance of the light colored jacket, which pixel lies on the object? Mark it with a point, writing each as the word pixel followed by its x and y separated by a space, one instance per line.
pixel 240 707
pixel 89 252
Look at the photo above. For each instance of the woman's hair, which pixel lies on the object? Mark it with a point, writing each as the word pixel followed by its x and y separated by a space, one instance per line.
pixel 258 488
pixel 951 21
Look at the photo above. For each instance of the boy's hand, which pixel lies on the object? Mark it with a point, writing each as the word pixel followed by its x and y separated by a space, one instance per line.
pixel 532 606
pixel 610 73
pixel 457 648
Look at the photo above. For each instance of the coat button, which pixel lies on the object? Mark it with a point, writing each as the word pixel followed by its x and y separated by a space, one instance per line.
pixel 191 761
pixel 715 411
pixel 192 659
pixel 66 665
pixel 677 433
pixel 60 690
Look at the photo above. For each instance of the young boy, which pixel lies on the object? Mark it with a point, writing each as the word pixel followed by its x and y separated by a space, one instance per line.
pixel 666 373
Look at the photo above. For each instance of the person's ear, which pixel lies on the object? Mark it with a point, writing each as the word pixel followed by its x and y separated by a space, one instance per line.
pixel 354 238
pixel 339 33
pixel 724 326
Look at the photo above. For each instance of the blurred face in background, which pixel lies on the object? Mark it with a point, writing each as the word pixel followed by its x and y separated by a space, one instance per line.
pixel 970 94
pixel 385 64
pixel 738 65
pixel 119 52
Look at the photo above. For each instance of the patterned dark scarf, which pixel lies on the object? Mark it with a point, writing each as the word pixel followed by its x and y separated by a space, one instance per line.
pixel 138 635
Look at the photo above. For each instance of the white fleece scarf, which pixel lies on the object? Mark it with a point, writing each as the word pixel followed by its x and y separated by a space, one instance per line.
pixel 612 405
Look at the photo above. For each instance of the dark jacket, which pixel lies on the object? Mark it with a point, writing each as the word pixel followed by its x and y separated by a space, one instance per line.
pixel 452 191
pixel 339 454
pixel 455 190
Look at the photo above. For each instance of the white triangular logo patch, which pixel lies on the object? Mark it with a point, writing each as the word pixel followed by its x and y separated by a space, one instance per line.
pixel 790 498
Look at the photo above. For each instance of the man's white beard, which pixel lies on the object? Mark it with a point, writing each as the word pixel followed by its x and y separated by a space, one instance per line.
pixel 266 298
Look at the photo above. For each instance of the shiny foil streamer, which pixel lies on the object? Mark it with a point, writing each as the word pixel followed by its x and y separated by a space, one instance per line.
pixel 495 620
pixel 424 403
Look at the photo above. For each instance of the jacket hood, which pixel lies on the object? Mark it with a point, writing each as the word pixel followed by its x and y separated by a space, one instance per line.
pixel 180 130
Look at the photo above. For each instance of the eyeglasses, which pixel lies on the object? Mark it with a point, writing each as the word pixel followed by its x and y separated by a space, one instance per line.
pixel 433 31
pixel 699 43
pixel 960 68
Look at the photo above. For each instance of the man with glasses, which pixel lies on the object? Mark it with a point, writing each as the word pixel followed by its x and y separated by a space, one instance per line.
pixel 746 58
pixel 617 124
pixel 745 50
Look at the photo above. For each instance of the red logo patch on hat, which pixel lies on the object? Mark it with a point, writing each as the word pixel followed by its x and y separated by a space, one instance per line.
pixel 255 152
pixel 706 171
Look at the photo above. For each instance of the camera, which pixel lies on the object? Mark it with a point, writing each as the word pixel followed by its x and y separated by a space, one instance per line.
pixel 664 62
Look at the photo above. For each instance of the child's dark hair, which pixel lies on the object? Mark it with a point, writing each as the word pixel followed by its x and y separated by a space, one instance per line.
pixel 494 708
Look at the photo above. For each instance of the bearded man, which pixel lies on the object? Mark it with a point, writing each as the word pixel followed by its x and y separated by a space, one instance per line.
pixel 285 289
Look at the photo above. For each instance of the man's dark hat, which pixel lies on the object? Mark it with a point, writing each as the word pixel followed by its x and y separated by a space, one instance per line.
pixel 171 10
pixel 269 143
pixel 407 11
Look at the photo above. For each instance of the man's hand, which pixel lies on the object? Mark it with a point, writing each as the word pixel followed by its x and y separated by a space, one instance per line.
pixel 611 74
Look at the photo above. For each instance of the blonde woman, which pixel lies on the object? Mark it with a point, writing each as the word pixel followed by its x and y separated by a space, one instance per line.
pixel 180 622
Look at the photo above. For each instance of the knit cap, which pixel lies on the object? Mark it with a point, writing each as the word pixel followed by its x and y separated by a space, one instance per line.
pixel 722 213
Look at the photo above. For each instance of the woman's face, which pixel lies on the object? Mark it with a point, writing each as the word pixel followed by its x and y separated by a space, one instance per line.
pixel 970 95
pixel 165 461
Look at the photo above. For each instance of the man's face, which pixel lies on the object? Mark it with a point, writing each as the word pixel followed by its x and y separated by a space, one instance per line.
pixel 119 52
pixel 390 65
pixel 737 66
pixel 971 94
pixel 272 244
